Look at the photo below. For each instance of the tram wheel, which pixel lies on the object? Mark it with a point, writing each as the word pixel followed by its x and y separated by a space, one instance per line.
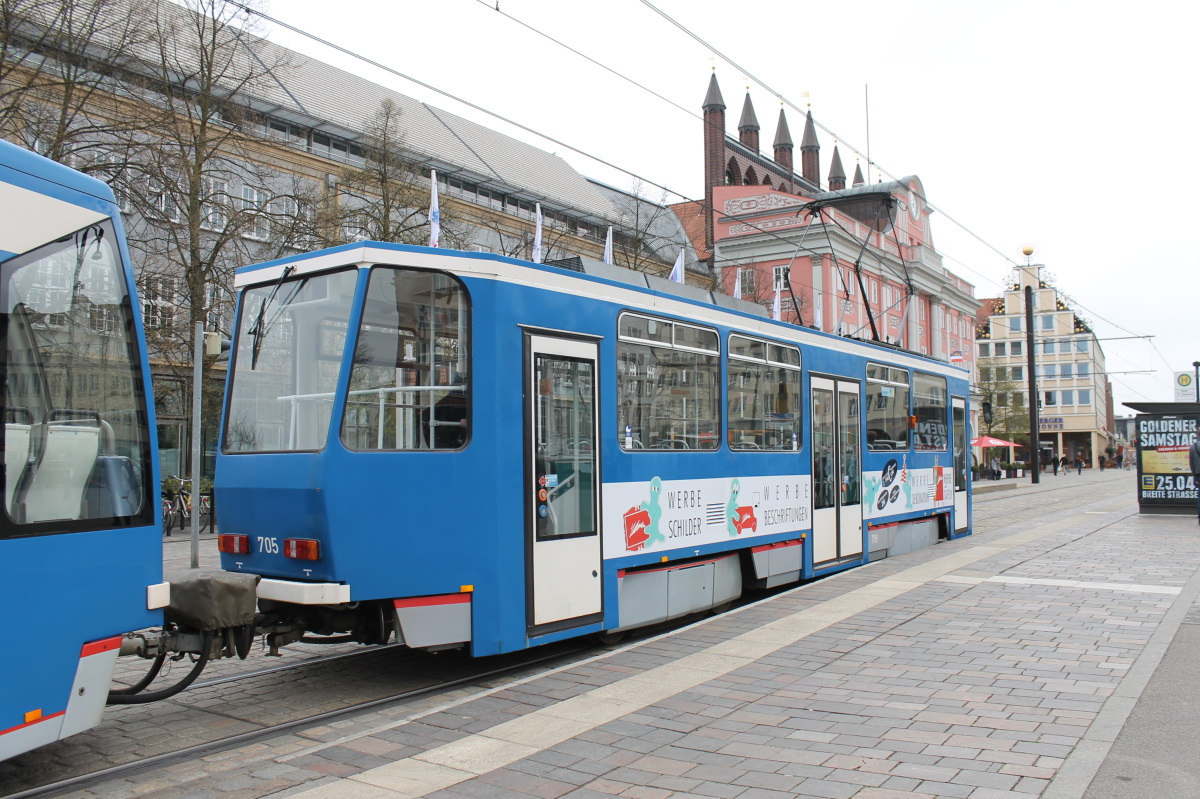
pixel 608 639
pixel 717 610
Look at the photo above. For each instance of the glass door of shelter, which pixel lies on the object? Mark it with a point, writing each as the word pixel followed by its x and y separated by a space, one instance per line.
pixel 837 470
pixel 562 484
pixel 961 442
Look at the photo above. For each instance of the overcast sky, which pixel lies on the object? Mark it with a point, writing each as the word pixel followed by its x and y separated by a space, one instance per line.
pixel 1064 125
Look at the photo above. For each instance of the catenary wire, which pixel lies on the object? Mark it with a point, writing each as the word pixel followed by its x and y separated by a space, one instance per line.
pixel 833 294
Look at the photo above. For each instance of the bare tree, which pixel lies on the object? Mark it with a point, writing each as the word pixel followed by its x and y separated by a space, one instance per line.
pixel 65 78
pixel 387 198
pixel 650 237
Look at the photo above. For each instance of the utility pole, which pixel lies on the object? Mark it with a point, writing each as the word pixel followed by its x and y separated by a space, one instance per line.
pixel 1035 453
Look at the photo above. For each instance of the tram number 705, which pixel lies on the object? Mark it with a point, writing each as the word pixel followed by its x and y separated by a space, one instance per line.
pixel 268 545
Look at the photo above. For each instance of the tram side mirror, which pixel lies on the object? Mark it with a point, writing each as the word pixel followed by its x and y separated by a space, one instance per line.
pixel 215 346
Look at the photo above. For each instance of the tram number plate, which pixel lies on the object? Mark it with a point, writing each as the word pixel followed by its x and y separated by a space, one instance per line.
pixel 268 545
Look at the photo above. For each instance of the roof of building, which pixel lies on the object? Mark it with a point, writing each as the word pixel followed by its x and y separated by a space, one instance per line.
pixel 749 121
pixel 691 216
pixel 858 175
pixel 836 172
pixel 783 136
pixel 713 98
pixel 311 93
pixel 809 142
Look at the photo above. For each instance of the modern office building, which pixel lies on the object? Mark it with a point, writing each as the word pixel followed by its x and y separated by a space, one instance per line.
pixel 1074 395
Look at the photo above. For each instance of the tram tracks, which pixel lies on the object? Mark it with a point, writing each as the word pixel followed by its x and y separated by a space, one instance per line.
pixel 560 655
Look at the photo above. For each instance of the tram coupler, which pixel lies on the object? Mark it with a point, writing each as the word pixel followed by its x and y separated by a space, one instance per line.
pixel 281 635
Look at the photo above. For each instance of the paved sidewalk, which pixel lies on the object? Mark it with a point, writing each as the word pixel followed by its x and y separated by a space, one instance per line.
pixel 1038 657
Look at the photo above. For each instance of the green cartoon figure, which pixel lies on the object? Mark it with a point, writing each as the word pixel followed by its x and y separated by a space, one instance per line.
pixel 654 512
pixel 731 509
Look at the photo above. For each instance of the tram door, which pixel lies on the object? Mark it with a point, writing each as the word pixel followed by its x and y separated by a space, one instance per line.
pixel 562 483
pixel 837 470
pixel 961 443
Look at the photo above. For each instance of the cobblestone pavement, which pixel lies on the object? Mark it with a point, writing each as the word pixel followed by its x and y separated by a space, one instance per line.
pixel 979 668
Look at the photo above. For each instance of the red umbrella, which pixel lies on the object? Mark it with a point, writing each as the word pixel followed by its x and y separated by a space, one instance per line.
pixel 989 441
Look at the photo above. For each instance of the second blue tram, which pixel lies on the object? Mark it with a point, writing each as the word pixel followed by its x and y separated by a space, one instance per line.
pixel 460 449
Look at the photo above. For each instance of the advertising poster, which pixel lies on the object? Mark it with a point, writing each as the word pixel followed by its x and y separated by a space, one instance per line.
pixel 1164 472
pixel 897 489
pixel 668 514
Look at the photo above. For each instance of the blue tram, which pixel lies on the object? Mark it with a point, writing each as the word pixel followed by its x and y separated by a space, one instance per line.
pixel 460 449
pixel 79 537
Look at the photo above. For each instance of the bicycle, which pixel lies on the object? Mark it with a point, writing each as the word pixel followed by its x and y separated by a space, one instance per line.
pixel 177 506
pixel 174 504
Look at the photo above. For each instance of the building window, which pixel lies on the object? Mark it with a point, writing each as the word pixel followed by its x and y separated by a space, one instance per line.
pixel 214 213
pixel 1051 398
pixel 780 278
pixel 983 350
pixel 1018 399
pixel 1064 370
pixel 1000 348
pixel 1083 369
pixel 746 276
pixel 1048 322
pixel 1048 371
pixel 1081 345
pixel 1085 396
pixel 1018 373
pixel 1015 348
pixel 1015 324
pixel 159 297
pixel 985 374
pixel 253 201
pixel 1068 397
pixel 1047 348
pixel 850 283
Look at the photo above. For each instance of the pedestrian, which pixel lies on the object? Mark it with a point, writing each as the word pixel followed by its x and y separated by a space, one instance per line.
pixel 1194 457
pixel 1065 464
pixel 1121 460
pixel 1079 463
pixel 1054 463
pixel 995 468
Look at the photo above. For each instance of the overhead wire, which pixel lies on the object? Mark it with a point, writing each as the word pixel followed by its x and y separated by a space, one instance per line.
pixel 708 46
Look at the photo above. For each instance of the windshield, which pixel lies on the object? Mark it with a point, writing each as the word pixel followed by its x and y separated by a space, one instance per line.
pixel 76 452
pixel 287 355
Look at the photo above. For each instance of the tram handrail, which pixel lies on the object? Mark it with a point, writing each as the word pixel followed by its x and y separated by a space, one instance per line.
pixel 380 392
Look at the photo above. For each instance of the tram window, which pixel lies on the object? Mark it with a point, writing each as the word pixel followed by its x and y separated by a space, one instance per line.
pixel 409 379
pixel 931 406
pixel 287 359
pixel 763 395
pixel 887 408
pixel 668 388
pixel 75 441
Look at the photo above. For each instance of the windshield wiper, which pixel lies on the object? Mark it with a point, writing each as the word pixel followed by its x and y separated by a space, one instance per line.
pixel 258 330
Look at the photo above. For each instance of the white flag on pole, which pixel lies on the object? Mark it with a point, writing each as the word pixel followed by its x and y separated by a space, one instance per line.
pixel 737 284
pixel 537 235
pixel 775 313
pixel 435 216
pixel 677 269
pixel 608 246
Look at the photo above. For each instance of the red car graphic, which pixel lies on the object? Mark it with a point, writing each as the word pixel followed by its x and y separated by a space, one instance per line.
pixel 744 520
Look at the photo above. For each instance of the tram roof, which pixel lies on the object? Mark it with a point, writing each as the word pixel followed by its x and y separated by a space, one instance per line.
pixel 371 252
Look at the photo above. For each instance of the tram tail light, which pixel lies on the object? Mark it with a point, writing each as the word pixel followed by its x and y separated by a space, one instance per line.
pixel 233 544
pixel 302 548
